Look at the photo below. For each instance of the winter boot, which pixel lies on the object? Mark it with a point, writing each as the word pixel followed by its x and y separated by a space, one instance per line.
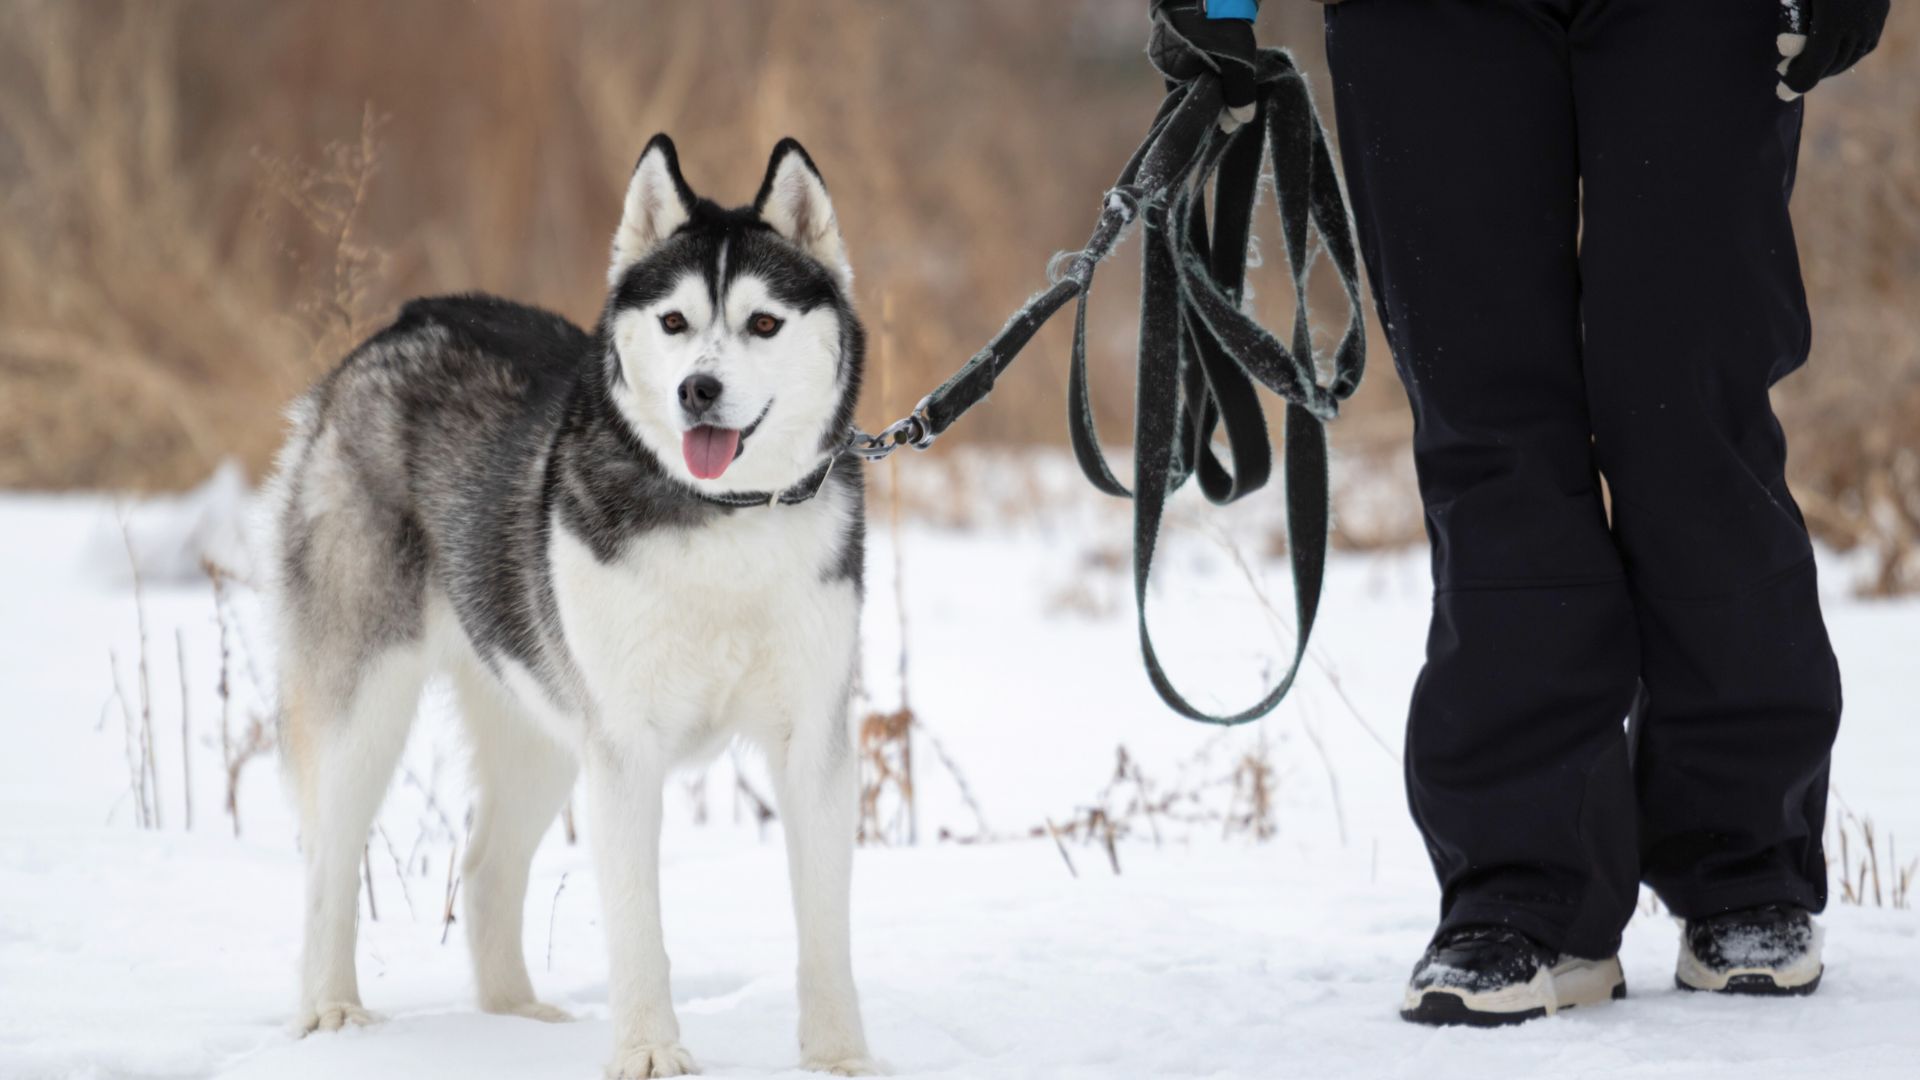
pixel 1765 950
pixel 1489 975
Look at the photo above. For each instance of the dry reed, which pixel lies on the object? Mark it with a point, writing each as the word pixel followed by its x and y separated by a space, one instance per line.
pixel 171 263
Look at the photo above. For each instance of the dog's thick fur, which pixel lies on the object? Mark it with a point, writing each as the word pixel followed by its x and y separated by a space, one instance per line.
pixel 484 490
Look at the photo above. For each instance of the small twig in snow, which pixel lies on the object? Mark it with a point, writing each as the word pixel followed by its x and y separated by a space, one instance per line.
pixel 151 781
pixel 1113 850
pixel 366 867
pixel 552 912
pixel 136 772
pixel 399 869
pixel 959 778
pixel 1333 777
pixel 1061 846
pixel 186 731
pixel 425 788
pixel 453 884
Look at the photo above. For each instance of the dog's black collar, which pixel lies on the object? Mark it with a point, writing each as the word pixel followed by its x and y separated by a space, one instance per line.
pixel 809 486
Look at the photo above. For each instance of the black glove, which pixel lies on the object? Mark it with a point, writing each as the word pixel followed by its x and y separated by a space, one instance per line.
pixel 1186 43
pixel 1822 38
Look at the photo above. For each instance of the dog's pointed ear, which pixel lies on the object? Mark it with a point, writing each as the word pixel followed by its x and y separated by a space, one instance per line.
pixel 658 202
pixel 793 199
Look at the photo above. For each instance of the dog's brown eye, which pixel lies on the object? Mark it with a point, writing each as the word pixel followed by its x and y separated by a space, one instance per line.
pixel 764 325
pixel 673 322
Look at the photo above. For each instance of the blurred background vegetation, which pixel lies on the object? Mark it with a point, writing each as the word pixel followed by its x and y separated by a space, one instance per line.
pixel 204 203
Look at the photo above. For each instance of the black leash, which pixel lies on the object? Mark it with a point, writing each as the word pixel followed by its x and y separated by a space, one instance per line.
pixel 1200 352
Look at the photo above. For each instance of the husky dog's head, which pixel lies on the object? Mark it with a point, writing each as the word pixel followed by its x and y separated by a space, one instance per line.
pixel 734 350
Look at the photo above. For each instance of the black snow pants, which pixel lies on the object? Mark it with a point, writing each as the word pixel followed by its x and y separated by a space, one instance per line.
pixel 1574 216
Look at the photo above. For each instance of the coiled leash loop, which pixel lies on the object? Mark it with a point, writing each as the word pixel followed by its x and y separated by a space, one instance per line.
pixel 1200 352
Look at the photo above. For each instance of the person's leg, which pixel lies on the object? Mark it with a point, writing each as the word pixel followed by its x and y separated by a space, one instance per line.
pixel 1457 132
pixel 1693 309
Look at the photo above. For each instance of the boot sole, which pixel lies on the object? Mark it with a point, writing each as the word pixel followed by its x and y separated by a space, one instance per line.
pixel 1754 984
pixel 1568 985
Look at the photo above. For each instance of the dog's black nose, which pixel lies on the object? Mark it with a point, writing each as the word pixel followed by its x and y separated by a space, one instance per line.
pixel 697 395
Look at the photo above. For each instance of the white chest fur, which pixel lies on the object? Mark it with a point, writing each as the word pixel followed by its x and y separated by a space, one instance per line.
pixel 691 634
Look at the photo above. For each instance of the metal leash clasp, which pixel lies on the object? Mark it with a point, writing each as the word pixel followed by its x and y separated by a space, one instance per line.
pixel 915 430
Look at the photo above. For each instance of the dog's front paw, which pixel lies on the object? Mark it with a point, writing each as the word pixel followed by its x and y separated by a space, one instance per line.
pixel 332 1016
pixel 534 1010
pixel 655 1059
pixel 851 1065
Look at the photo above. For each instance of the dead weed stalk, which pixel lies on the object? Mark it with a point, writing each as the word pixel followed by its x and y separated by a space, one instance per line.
pixel 1858 865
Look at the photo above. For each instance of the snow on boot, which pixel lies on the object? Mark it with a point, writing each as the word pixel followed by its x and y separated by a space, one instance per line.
pixel 1490 975
pixel 1765 950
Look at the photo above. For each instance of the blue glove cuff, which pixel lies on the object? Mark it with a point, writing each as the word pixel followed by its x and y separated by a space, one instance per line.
pixel 1233 9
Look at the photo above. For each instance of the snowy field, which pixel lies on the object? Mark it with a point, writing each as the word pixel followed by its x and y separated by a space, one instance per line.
pixel 169 952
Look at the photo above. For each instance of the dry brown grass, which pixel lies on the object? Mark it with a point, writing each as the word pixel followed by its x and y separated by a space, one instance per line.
pixel 888 808
pixel 1857 860
pixel 205 201
pixel 254 741
pixel 138 317
pixel 194 225
pixel 1853 417
pixel 1241 802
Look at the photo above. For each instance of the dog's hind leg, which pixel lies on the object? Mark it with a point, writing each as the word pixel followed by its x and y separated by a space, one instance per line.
pixel 523 777
pixel 342 735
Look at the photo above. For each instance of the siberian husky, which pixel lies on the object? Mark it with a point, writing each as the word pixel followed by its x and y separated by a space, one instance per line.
pixel 625 549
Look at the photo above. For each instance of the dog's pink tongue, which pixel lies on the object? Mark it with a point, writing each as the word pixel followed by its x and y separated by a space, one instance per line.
pixel 709 450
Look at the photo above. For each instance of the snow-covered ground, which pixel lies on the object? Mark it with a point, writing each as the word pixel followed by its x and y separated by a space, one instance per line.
pixel 161 953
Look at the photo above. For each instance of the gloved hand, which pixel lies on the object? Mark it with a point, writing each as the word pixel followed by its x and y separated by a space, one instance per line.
pixel 1185 43
pixel 1822 38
